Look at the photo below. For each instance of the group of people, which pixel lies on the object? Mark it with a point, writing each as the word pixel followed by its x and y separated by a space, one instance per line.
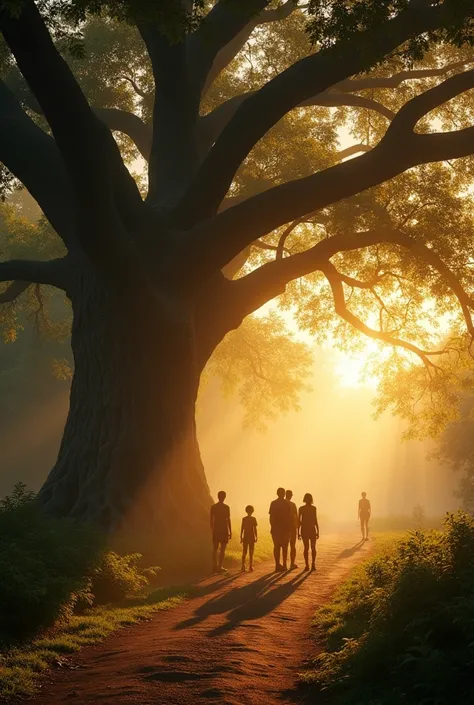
pixel 287 524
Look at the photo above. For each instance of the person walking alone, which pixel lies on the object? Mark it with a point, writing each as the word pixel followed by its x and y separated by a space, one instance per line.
pixel 363 515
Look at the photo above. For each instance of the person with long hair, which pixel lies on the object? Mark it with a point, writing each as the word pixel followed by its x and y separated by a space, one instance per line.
pixel 308 529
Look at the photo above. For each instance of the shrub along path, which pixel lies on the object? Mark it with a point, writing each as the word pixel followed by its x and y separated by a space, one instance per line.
pixel 240 641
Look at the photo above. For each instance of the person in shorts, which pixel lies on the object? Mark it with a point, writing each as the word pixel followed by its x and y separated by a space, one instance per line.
pixel 248 536
pixel 294 528
pixel 280 522
pixel 221 531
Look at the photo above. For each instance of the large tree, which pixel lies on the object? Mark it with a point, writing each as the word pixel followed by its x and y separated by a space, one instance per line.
pixel 151 276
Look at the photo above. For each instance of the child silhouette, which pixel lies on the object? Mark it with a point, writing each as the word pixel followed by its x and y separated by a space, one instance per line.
pixel 248 537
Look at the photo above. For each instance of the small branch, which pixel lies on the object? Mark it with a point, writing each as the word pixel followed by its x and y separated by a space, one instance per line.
pixel 285 235
pixel 13 291
pixel 333 99
pixel 211 125
pixel 134 85
pixel 263 284
pixel 394 81
pixel 335 282
pixel 353 149
pixel 230 51
pixel 219 37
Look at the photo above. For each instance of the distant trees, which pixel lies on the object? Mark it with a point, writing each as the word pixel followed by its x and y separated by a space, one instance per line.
pixel 248 198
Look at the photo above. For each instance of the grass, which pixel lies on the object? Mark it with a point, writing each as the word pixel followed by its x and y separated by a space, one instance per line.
pixel 399 630
pixel 21 669
pixel 341 619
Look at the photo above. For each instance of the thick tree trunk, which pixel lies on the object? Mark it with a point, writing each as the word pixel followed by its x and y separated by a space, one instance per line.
pixel 129 460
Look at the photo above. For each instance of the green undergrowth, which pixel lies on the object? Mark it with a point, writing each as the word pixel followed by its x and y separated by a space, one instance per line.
pixel 401 628
pixel 22 668
pixel 62 589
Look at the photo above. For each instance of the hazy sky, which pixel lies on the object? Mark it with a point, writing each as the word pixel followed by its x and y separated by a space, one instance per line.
pixel 332 448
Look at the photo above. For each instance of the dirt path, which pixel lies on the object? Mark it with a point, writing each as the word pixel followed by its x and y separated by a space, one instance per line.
pixel 241 641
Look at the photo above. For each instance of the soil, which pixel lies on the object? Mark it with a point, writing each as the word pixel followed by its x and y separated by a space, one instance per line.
pixel 242 640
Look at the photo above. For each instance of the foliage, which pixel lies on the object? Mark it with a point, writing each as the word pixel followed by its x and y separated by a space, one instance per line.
pixel 339 20
pixel 400 630
pixel 49 566
pixel 456 447
pixel 264 365
pixel 117 578
pixel 43 563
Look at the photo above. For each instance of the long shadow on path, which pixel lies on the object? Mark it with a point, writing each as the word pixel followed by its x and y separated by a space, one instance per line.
pixel 261 605
pixel 232 599
pixel 348 552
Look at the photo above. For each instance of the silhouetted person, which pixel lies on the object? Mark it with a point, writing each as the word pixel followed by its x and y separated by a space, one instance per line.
pixel 364 516
pixel 308 529
pixel 221 531
pixel 280 522
pixel 294 528
pixel 248 536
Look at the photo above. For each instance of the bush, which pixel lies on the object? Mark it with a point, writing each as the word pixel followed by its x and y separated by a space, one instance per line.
pixel 42 565
pixel 402 629
pixel 117 578
pixel 51 567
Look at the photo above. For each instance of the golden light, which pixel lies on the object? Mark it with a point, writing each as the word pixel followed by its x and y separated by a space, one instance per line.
pixel 352 370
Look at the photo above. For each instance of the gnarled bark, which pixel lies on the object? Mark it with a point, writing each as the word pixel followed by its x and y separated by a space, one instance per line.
pixel 129 460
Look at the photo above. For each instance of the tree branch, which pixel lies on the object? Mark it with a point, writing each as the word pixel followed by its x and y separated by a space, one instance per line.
pixel 96 171
pixel 395 80
pixel 306 78
pixel 13 291
pixel 263 284
pixel 72 122
pixel 216 241
pixel 173 156
pixel 230 51
pixel 333 99
pixel 210 126
pixel 32 156
pixel 22 273
pixel 353 149
pixel 134 85
pixel 335 282
pixel 226 22
pixel 115 118
pixel 130 124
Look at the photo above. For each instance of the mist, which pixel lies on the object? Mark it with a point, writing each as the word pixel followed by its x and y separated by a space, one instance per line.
pixel 332 448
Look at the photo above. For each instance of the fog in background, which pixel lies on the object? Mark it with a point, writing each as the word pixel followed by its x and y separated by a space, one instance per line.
pixel 332 448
